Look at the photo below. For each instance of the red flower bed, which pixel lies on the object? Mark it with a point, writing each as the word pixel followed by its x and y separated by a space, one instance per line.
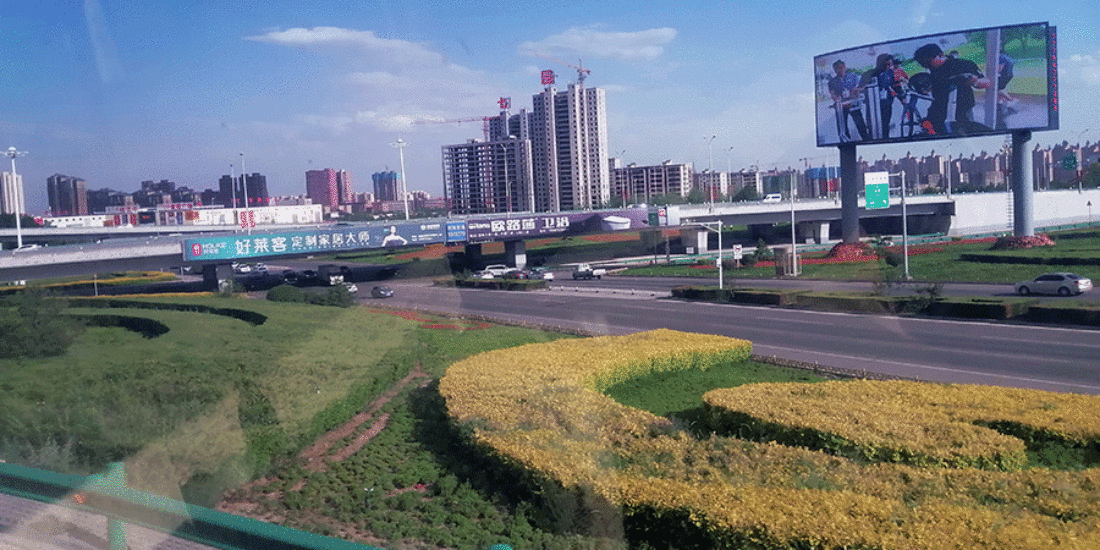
pixel 1017 243
pixel 851 252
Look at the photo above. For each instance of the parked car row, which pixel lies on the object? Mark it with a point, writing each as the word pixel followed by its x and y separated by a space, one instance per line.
pixel 505 272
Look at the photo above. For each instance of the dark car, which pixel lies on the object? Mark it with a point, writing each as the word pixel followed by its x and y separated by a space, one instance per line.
pixel 381 292
pixel 518 274
pixel 290 276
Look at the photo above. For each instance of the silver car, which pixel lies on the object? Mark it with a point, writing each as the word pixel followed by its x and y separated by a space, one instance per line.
pixel 1062 284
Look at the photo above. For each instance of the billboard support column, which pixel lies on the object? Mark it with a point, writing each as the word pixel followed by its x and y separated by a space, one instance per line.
pixel 849 194
pixel 1023 224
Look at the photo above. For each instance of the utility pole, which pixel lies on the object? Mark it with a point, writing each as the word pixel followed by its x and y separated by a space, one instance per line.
pixel 18 199
pixel 400 144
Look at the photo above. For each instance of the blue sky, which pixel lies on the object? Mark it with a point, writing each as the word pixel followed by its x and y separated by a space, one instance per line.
pixel 118 92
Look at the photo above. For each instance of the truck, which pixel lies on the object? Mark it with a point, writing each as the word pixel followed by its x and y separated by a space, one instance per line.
pixel 585 271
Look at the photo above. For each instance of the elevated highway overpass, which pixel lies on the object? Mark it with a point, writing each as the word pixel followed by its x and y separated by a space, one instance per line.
pixel 97 250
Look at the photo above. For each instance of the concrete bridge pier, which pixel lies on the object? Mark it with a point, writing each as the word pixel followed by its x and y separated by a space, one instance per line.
pixel 516 253
pixel 473 253
pixel 694 237
pixel 816 230
pixel 218 277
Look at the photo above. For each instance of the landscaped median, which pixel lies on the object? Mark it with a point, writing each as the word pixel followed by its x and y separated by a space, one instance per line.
pixel 900 472
pixel 1008 307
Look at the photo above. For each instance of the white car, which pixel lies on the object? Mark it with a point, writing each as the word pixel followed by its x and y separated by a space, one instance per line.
pixel 1062 284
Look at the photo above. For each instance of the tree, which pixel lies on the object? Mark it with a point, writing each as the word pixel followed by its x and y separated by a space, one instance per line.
pixel 8 220
pixel 745 194
pixel 34 324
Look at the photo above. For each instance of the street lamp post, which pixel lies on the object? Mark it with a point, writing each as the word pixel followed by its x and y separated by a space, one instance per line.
pixel 244 181
pixel 904 227
pixel 400 144
pixel 710 170
pixel 794 236
pixel 233 184
pixel 18 199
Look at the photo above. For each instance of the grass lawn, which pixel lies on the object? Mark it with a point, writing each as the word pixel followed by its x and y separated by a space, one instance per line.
pixel 927 263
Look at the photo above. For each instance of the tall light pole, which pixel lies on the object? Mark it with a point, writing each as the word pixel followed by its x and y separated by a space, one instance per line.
pixel 233 184
pixel 244 181
pixel 710 169
pixel 400 144
pixel 507 187
pixel 18 199
pixel 794 235
pixel 625 183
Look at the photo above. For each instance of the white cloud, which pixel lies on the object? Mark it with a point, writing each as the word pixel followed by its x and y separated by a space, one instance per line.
pixel 1084 66
pixel 103 46
pixel 320 39
pixel 590 42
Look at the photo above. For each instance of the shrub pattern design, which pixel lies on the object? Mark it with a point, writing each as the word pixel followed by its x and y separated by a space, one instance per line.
pixel 537 407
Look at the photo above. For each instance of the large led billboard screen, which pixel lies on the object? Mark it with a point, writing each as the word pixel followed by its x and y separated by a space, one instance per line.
pixel 975 82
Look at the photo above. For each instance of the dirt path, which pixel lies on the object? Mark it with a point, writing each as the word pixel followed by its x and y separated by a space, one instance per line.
pixel 327 448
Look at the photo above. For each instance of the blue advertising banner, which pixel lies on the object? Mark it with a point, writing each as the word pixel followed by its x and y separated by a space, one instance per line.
pixel 563 223
pixel 456 231
pixel 230 247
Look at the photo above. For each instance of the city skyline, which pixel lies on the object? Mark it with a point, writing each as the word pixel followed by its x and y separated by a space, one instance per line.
pixel 121 96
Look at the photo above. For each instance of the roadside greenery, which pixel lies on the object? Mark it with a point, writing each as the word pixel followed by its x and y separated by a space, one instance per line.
pixel 937 262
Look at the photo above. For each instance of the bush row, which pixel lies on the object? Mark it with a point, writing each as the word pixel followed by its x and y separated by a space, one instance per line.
pixel 245 315
pixel 910 422
pixel 144 326
pixel 599 463
pixel 1027 309
pixel 1029 260
pixel 499 284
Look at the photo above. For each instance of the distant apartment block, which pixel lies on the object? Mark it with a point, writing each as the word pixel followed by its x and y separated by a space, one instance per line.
pixel 11 193
pixel 329 188
pixel 387 186
pixel 489 177
pixel 641 184
pixel 68 196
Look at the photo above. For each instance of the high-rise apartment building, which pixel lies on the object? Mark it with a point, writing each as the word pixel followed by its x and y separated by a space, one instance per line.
pixel 68 196
pixel 569 148
pixel 387 186
pixel 11 193
pixel 483 177
pixel 641 184
pixel 328 187
pixel 563 138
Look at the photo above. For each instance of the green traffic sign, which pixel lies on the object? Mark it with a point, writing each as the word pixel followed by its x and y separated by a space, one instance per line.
pixel 878 195
pixel 1069 162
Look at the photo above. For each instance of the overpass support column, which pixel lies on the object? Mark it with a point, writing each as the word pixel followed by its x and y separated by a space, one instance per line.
pixel 694 237
pixel 849 194
pixel 217 277
pixel 1023 224
pixel 819 231
pixel 516 252
pixel 473 254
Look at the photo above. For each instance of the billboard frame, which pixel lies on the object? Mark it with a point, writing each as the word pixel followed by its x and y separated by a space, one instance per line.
pixel 839 117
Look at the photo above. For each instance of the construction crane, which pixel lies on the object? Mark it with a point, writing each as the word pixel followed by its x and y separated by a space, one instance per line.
pixel 484 120
pixel 582 72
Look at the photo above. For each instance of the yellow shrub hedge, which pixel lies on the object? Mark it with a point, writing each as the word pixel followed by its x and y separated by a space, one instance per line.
pixel 537 406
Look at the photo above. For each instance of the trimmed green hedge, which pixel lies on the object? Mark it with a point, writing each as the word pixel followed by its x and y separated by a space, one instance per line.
pixel 502 284
pixel 981 308
pixel 239 314
pixel 1029 260
pixel 144 326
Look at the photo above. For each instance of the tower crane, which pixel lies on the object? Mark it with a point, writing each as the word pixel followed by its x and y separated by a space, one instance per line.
pixel 484 119
pixel 582 72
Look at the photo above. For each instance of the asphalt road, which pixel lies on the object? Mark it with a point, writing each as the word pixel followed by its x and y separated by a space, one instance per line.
pixel 1008 354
